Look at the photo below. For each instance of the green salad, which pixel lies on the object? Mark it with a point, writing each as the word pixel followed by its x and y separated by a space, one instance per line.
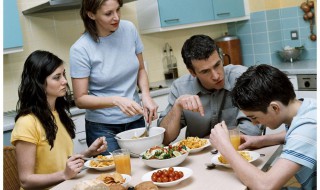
pixel 167 152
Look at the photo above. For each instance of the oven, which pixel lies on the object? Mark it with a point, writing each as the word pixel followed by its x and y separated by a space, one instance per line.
pixel 307 86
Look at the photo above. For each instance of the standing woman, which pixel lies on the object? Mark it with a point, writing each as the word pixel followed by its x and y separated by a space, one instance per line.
pixel 43 130
pixel 106 65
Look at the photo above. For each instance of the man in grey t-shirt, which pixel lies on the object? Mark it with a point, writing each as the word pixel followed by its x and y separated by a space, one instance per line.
pixel 202 99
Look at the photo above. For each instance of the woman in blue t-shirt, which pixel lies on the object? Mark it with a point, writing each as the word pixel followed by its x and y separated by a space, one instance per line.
pixel 106 66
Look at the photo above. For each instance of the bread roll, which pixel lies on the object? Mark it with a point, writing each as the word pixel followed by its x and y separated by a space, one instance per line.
pixel 147 185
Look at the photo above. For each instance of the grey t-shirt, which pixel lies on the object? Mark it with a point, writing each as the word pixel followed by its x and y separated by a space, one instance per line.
pixel 217 105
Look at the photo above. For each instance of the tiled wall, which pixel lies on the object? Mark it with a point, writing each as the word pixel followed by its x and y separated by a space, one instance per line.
pixel 270 31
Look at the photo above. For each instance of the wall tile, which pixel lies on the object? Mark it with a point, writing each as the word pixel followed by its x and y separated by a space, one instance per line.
pixel 273 14
pixel 245 38
pixel 261 37
pixel 260 48
pixel 258 17
pixel 263 59
pixel 274 25
pixel 248 60
pixel 259 27
pixel 289 23
pixel 243 27
pixel 289 12
pixel 247 49
pixel 275 36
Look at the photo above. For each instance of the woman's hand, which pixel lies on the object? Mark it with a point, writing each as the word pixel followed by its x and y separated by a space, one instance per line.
pixel 98 146
pixel 150 109
pixel 73 166
pixel 127 106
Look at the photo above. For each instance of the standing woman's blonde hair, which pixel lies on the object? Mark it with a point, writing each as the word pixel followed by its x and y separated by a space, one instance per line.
pixel 89 24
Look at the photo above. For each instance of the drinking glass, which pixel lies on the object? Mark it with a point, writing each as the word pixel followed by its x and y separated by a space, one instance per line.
pixel 121 159
pixel 234 134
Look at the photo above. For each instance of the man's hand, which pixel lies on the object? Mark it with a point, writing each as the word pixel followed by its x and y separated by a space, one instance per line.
pixel 191 102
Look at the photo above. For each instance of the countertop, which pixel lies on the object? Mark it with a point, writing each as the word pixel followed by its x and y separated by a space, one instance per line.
pixel 8 117
pixel 298 67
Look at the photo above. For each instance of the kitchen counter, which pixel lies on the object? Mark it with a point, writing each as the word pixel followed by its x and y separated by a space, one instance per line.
pixel 299 67
pixel 8 117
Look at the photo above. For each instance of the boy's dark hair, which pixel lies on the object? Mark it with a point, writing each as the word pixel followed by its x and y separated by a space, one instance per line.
pixel 198 47
pixel 259 85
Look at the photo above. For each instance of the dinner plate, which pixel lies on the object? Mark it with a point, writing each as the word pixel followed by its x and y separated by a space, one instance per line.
pixel 187 172
pixel 254 156
pixel 196 149
pixel 87 164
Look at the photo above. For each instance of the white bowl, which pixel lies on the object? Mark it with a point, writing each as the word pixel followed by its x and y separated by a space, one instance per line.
pixel 186 174
pixel 156 163
pixel 140 145
pixel 128 179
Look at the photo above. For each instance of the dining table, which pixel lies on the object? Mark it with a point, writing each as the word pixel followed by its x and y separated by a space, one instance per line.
pixel 219 178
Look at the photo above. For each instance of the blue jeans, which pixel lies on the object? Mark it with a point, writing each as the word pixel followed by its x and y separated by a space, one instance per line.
pixel 95 130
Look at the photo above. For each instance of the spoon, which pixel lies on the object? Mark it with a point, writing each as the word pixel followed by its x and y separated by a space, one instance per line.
pixel 146 131
pixel 210 165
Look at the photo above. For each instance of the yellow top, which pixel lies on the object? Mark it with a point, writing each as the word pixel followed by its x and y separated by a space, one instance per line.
pixel 29 129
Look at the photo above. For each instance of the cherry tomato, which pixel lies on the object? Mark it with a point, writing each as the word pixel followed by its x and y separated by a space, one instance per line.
pixel 180 174
pixel 171 170
pixel 154 178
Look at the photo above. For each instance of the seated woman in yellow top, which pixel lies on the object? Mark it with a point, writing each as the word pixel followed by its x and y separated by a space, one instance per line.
pixel 43 130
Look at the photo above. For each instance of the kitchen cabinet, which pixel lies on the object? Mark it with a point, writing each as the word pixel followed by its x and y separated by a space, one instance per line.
pixel 12 35
pixel 166 15
pixel 171 15
pixel 224 9
pixel 79 142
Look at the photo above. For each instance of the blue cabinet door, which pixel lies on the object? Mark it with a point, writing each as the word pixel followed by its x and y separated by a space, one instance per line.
pixel 177 12
pixel 12 35
pixel 224 9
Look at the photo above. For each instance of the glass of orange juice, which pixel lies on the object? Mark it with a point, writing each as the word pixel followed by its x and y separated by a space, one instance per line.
pixel 121 159
pixel 234 134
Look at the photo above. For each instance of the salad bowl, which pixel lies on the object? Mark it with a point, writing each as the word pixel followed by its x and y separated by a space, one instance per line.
pixel 161 157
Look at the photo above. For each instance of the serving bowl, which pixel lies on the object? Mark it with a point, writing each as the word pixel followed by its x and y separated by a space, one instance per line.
pixel 139 145
pixel 155 156
pixel 290 55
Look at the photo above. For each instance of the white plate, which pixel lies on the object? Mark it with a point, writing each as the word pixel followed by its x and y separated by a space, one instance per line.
pixel 87 164
pixel 128 179
pixel 196 149
pixel 186 174
pixel 215 160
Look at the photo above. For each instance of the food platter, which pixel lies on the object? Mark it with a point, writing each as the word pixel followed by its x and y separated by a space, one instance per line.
pixel 186 174
pixel 254 156
pixel 194 150
pixel 104 168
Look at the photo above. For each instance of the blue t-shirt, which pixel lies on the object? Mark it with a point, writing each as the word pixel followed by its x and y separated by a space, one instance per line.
pixel 112 67
pixel 301 143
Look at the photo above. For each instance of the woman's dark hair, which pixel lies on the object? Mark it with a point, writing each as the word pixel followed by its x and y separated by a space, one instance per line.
pixel 89 24
pixel 256 88
pixel 32 96
pixel 198 47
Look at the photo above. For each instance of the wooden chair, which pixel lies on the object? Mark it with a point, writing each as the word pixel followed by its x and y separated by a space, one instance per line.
pixel 10 170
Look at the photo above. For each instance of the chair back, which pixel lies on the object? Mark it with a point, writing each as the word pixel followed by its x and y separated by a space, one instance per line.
pixel 10 170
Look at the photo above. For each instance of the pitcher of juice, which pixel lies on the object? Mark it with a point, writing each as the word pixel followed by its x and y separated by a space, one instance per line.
pixel 121 159
pixel 234 134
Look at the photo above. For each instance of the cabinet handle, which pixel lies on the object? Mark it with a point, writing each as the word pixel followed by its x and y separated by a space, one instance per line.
pixel 220 14
pixel 172 20
pixel 83 140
